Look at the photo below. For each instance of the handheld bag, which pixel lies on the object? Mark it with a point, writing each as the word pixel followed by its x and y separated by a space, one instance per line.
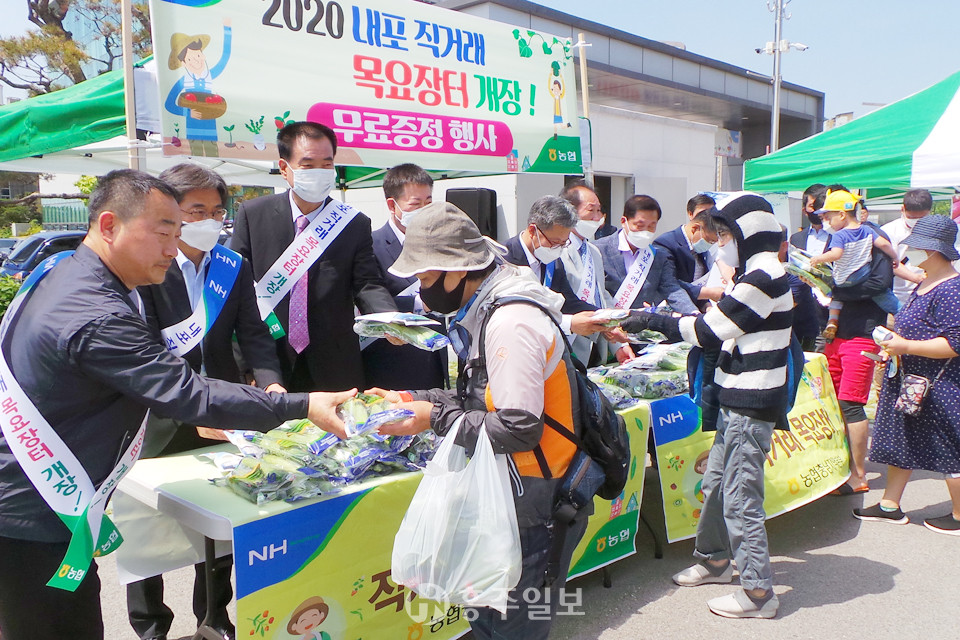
pixel 459 542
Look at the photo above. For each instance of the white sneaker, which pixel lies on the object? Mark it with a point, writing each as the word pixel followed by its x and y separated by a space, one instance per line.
pixel 739 605
pixel 698 574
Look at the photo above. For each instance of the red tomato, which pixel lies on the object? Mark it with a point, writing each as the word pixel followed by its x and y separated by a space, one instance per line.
pixel 189 97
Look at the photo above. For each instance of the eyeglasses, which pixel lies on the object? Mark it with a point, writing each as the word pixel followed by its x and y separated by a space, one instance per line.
pixel 203 214
pixel 553 243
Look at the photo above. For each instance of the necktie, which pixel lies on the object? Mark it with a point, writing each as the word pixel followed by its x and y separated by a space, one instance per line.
pixel 299 334
pixel 700 265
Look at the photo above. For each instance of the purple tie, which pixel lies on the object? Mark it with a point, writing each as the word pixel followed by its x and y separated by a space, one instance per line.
pixel 299 336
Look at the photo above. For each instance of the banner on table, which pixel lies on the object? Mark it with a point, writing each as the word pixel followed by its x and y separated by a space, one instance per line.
pixel 804 463
pixel 325 568
pixel 398 80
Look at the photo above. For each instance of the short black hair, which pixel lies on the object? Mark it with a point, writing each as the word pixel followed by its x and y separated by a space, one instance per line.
pixel 571 191
pixel 287 136
pixel 196 45
pixel 838 187
pixel 640 203
pixel 187 176
pixel 125 192
pixel 816 191
pixel 917 200
pixel 699 200
pixel 398 177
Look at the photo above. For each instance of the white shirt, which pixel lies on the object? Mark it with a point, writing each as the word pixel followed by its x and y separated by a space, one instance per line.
pixel 138 303
pixel 898 231
pixel 193 277
pixel 817 241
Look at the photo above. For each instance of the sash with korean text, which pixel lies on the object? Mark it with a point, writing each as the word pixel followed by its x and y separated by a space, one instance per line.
pixel 637 275
pixel 53 469
pixel 182 337
pixel 588 291
pixel 298 257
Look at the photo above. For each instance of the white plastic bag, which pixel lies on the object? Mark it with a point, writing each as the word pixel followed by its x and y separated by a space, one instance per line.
pixel 459 542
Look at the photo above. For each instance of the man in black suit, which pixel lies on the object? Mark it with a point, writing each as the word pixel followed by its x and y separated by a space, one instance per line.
pixel 815 240
pixel 313 260
pixel 655 277
pixel 689 246
pixel 201 263
pixel 408 188
pixel 539 247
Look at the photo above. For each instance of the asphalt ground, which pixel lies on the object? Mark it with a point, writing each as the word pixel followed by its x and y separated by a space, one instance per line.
pixel 836 577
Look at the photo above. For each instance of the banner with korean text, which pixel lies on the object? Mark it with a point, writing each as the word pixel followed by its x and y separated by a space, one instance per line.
pixel 398 80
pixel 323 570
pixel 804 463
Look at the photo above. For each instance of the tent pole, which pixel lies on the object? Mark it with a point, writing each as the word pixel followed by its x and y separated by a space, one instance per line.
pixel 129 99
pixel 585 93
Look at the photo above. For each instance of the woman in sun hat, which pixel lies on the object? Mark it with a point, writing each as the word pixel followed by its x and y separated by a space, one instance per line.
pixel 925 342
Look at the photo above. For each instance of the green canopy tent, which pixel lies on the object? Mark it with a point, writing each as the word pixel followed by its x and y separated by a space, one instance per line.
pixel 914 142
pixel 82 129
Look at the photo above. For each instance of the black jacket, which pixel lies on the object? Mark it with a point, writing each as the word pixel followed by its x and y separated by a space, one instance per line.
pixel 346 274
pixel 399 367
pixel 93 366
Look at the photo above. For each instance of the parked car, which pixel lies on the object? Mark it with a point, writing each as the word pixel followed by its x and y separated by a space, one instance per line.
pixel 6 246
pixel 33 250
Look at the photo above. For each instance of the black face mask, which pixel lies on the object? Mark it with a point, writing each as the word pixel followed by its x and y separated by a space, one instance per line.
pixel 814 218
pixel 438 299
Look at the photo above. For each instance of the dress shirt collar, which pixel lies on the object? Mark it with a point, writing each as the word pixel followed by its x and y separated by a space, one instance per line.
pixel 622 243
pixel 531 259
pixel 193 277
pixel 575 242
pixel 295 210
pixel 396 230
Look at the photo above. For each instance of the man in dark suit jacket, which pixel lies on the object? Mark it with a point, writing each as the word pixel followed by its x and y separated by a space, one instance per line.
pixel 815 240
pixel 408 188
pixel 639 223
pixel 689 246
pixel 345 274
pixel 539 247
pixel 203 194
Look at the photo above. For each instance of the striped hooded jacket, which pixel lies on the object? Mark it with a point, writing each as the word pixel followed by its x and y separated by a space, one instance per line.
pixel 751 325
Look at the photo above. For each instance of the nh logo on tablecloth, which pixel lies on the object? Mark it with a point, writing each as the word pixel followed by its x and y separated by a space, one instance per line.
pixel 268 553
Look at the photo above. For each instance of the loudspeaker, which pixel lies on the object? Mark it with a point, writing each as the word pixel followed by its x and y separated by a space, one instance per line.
pixel 478 203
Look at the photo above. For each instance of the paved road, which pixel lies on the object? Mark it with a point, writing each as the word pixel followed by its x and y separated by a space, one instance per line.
pixel 837 578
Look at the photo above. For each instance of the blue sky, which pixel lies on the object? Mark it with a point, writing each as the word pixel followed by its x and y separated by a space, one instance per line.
pixel 873 51
pixel 861 51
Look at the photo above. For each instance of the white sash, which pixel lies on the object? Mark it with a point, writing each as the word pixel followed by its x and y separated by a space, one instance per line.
pixel 632 284
pixel 299 256
pixel 587 291
pixel 56 473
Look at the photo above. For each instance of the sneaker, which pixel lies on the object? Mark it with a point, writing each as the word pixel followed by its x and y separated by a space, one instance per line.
pixel 698 574
pixel 944 524
pixel 876 513
pixel 739 605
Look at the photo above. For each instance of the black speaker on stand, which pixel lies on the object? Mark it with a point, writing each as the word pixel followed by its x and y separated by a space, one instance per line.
pixel 478 203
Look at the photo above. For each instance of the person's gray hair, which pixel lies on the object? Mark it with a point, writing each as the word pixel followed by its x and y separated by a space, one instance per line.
pixel 550 211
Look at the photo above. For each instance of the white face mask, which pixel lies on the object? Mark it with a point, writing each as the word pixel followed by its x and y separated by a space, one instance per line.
pixel 729 254
pixel 201 235
pixel 702 246
pixel 909 222
pixel 640 239
pixel 588 228
pixel 546 255
pixel 407 216
pixel 314 185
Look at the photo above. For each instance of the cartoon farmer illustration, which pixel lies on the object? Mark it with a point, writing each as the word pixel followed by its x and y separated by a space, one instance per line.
pixel 307 617
pixel 557 90
pixel 193 96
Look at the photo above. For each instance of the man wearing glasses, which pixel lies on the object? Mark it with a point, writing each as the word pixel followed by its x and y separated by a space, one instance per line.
pixel 207 296
pixel 539 247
